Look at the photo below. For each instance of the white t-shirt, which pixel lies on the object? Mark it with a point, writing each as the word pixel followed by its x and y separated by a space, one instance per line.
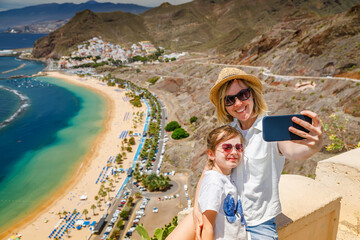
pixel 219 194
pixel 257 176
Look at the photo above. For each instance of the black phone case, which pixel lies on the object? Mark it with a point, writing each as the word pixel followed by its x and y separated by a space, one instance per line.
pixel 276 128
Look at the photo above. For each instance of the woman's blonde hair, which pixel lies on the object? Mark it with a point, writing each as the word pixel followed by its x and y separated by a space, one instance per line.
pixel 218 135
pixel 260 106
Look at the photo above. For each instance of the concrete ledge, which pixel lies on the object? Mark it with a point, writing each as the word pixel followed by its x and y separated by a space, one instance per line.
pixel 310 210
pixel 342 174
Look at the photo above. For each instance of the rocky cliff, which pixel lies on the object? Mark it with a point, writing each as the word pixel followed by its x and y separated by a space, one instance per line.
pixel 307 45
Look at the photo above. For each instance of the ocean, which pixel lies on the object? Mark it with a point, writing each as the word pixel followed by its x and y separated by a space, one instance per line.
pixel 47 126
pixel 18 40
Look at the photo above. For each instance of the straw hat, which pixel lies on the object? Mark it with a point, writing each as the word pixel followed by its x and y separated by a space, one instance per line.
pixel 228 74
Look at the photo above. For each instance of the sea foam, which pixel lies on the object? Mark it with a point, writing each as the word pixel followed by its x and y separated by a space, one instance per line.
pixel 24 105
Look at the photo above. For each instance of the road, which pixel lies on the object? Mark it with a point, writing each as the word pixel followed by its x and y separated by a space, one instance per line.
pixel 132 188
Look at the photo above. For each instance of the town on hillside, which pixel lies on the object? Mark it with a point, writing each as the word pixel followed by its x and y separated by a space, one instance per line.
pixel 97 52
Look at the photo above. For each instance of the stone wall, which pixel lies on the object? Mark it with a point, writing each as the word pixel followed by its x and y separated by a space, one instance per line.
pixel 342 174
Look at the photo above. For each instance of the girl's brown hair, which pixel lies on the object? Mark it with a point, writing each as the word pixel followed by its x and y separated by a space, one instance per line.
pixel 219 135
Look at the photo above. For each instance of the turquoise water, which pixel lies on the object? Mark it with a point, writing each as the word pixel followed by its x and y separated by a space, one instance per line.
pixel 46 143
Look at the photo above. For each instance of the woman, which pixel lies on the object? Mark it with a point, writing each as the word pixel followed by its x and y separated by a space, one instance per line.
pixel 239 101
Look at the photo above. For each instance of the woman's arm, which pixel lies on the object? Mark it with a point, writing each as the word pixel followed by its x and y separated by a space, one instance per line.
pixel 209 218
pixel 184 231
pixel 197 215
pixel 303 149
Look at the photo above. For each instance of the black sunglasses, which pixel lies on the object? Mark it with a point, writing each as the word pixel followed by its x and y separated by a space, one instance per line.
pixel 242 96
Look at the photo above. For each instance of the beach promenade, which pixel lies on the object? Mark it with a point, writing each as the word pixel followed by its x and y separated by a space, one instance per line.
pixel 78 192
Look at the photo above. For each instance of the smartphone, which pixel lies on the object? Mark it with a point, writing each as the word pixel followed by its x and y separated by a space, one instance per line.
pixel 276 128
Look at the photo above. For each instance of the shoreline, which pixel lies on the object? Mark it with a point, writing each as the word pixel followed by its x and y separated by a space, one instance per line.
pixel 84 171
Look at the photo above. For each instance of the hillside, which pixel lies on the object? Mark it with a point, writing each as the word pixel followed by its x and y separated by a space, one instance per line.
pixel 200 25
pixel 116 27
pixel 54 11
pixel 307 46
pixel 226 24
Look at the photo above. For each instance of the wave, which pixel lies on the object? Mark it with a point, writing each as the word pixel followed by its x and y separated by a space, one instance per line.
pixel 24 105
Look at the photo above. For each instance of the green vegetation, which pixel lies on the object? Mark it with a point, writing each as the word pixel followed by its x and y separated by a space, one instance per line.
pixel 153 80
pixel 171 59
pixel 337 129
pixel 179 133
pixel 171 126
pixel 138 58
pixel 111 84
pixel 160 233
pixel 132 141
pixel 136 100
pixel 156 183
pixel 193 119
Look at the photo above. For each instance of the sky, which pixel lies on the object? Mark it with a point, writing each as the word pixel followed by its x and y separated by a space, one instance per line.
pixel 11 4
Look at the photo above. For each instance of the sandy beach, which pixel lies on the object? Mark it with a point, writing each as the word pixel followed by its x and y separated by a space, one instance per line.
pixel 119 119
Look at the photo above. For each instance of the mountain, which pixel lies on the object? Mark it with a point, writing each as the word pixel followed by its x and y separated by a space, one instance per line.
pixel 200 25
pixel 117 27
pixel 227 24
pixel 306 45
pixel 54 11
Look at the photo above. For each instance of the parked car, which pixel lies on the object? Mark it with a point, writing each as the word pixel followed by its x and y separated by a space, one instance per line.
pixel 155 210
pixel 113 220
pixel 108 229
pixel 141 213
pixel 105 236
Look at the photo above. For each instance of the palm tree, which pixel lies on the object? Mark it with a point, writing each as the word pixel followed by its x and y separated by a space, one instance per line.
pixel 115 176
pixel 99 204
pixel 138 195
pixel 108 192
pixel 59 213
pixel 103 194
pixel 85 211
pixel 93 208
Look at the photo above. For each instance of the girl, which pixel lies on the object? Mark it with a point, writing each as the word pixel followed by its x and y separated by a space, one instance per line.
pixel 218 198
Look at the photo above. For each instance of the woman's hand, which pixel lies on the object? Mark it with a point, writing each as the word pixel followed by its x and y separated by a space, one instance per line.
pixel 313 138
pixel 198 221
pixel 303 149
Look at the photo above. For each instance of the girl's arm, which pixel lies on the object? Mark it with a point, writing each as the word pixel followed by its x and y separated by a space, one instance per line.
pixel 209 217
